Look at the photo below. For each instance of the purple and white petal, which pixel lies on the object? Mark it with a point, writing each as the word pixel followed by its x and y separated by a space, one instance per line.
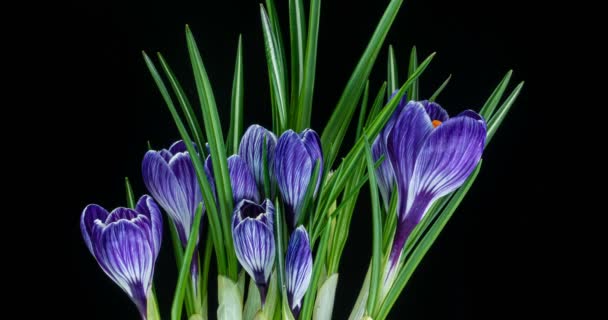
pixel 435 111
pixel 448 157
pixel 90 214
pixel 180 146
pixel 403 145
pixel 298 268
pixel 147 207
pixel 124 252
pixel 251 150
pixel 384 173
pixel 312 142
pixel 242 181
pixel 255 248
pixel 161 182
pixel 183 169
pixel 293 168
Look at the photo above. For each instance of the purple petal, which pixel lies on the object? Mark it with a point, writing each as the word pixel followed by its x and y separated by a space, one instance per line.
pixel 242 181
pixel 123 251
pixel 312 142
pixel 472 114
pixel 448 157
pixel 435 111
pixel 161 182
pixel 180 146
pixel 91 213
pixel 251 150
pixel 254 247
pixel 121 214
pixel 182 167
pixel 384 173
pixel 391 121
pixel 166 155
pixel 293 168
pixel 147 207
pixel 403 145
pixel 298 268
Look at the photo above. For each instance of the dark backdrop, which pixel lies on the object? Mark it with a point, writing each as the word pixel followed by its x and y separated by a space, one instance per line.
pixel 484 263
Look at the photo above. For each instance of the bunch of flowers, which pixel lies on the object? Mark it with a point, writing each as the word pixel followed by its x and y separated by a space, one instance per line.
pixel 277 205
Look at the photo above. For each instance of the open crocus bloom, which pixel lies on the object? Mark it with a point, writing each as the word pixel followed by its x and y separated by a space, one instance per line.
pixel 125 243
pixel 430 155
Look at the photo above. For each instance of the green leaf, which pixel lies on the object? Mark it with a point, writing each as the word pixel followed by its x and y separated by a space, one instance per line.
pixel 184 272
pixel 413 93
pixel 497 119
pixel 309 195
pixel 208 196
pixel 275 73
pixel 310 66
pixel 236 107
pixel 377 104
pixel 336 127
pixel 297 33
pixel 423 246
pixel 205 274
pixel 130 195
pixel 440 89
pixel 392 73
pixel 278 226
pixel 230 301
pixel 217 148
pixel 488 108
pixel 376 231
pixel 193 123
pixel 363 110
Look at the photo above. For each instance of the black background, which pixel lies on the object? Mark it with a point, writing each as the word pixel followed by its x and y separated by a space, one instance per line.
pixel 484 263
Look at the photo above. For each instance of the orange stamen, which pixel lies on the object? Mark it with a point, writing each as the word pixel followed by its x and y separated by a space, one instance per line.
pixel 436 123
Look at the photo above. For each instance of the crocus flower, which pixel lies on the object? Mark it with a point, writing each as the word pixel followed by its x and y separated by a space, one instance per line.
pixel 298 268
pixel 252 233
pixel 295 158
pixel 431 156
pixel 251 149
pixel 242 181
pixel 125 243
pixel 170 177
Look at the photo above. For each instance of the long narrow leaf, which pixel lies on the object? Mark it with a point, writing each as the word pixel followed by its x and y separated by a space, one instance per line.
pixel 236 106
pixel 376 231
pixel 497 119
pixel 392 73
pixel 275 72
pixel 297 34
pixel 488 108
pixel 413 92
pixel 377 104
pixel 310 66
pixel 318 265
pixel 184 103
pixel 336 127
pixel 176 307
pixel 440 89
pixel 363 110
pixel 130 195
pixel 216 146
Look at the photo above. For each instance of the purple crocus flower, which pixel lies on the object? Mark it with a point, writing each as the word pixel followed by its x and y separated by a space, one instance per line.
pixel 298 268
pixel 430 156
pixel 294 162
pixel 170 177
pixel 251 149
pixel 252 233
pixel 242 181
pixel 125 243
